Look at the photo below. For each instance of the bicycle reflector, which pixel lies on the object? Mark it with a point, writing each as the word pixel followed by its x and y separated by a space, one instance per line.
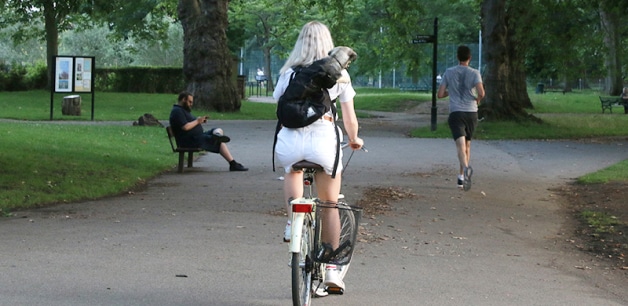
pixel 302 207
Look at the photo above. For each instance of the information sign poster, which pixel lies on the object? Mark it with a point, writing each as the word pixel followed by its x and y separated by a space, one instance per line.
pixel 63 76
pixel 83 75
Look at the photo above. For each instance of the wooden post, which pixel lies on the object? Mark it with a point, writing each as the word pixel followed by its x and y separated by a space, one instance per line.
pixel 71 105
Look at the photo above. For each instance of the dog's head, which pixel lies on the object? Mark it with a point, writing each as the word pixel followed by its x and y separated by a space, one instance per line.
pixel 344 55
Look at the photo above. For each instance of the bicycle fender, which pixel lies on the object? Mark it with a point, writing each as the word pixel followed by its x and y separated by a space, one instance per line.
pixel 297 230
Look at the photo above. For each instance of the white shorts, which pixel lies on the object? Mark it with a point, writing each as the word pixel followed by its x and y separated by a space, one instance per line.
pixel 315 143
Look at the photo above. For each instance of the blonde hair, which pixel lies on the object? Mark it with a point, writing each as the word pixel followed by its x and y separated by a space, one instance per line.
pixel 314 43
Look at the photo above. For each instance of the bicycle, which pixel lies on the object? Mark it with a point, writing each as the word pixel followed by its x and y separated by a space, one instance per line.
pixel 309 254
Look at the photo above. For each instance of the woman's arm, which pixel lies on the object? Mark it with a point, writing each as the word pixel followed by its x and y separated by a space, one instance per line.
pixel 350 122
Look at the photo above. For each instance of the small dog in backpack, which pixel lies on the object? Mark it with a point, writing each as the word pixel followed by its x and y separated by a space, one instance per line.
pixel 328 70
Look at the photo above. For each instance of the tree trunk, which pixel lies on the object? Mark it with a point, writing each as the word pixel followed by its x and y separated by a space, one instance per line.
pixel 609 20
pixel 52 38
pixel 504 76
pixel 207 62
pixel 268 72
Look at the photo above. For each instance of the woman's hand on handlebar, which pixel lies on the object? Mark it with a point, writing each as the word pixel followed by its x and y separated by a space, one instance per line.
pixel 356 144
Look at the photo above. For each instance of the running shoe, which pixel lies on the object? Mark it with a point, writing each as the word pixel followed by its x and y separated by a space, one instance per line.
pixel 468 172
pixel 287 233
pixel 333 277
pixel 460 183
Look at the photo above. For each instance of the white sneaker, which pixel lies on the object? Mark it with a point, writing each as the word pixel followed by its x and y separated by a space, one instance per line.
pixel 333 277
pixel 287 233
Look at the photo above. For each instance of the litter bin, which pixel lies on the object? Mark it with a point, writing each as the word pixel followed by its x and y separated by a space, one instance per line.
pixel 540 88
pixel 241 82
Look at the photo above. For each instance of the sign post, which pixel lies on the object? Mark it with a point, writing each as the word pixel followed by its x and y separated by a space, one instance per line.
pixel 72 74
pixel 431 39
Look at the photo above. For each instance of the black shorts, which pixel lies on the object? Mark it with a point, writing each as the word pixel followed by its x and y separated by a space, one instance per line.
pixel 208 142
pixel 463 124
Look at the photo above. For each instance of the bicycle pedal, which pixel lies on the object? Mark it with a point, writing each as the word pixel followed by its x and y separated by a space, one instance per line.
pixel 335 290
pixel 320 292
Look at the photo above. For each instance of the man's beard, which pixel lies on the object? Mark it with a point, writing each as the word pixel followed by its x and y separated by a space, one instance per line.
pixel 186 107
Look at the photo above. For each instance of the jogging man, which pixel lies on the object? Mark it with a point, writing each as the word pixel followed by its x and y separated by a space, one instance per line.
pixel 465 89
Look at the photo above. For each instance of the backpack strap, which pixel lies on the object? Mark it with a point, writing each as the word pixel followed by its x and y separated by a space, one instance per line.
pixel 337 159
pixel 295 70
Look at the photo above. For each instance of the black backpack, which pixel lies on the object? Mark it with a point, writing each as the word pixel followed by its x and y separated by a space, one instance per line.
pixel 302 104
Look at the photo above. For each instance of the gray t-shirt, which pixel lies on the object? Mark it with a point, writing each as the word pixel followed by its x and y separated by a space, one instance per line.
pixel 460 82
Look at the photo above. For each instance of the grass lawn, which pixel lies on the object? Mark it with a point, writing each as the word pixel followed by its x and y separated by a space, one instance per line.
pixel 64 163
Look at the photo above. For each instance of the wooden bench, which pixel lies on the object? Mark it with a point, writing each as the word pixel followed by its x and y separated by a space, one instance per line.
pixel 609 102
pixel 181 151
pixel 413 87
pixel 554 89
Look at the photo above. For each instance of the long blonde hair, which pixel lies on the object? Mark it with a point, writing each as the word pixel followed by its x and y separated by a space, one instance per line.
pixel 314 43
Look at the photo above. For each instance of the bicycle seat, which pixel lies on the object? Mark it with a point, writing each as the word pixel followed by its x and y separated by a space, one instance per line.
pixel 304 164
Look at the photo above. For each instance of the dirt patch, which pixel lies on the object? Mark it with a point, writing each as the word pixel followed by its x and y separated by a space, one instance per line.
pixel 607 241
pixel 378 200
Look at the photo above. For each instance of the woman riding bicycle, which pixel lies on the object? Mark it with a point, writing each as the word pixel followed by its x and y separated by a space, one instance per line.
pixel 316 142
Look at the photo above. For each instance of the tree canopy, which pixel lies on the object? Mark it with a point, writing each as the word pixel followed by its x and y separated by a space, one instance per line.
pixel 548 41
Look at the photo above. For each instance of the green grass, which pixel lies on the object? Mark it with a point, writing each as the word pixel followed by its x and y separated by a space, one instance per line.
pixel 43 163
pixel 600 222
pixel 108 106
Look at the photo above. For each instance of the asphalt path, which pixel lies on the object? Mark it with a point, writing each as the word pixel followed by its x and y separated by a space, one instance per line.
pixel 213 237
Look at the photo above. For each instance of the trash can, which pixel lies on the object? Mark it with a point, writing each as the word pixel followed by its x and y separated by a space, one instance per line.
pixel 540 88
pixel 241 82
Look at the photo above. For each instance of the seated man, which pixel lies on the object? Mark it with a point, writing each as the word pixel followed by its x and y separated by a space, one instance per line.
pixel 189 132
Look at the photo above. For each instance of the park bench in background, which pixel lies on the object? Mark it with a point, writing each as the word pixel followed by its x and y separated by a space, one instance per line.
pixel 181 151
pixel 414 87
pixel 609 102
pixel 555 89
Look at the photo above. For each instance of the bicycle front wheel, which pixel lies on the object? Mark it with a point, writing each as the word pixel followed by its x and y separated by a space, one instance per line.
pixel 302 266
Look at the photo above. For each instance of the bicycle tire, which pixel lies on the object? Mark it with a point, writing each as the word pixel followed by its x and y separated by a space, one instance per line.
pixel 347 224
pixel 302 266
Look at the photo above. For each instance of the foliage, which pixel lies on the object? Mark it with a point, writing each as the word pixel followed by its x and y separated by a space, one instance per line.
pixel 17 77
pixel 140 79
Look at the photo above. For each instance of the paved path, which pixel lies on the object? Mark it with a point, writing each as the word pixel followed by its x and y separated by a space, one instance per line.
pixel 213 237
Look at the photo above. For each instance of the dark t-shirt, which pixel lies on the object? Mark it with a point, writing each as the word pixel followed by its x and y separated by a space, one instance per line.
pixel 186 139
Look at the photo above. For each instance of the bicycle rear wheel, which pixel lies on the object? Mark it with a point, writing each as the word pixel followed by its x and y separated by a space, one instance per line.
pixel 303 266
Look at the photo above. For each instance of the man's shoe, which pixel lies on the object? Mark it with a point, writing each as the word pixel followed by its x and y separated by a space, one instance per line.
pixel 460 183
pixel 223 138
pixel 287 233
pixel 333 279
pixel 220 137
pixel 235 166
pixel 468 172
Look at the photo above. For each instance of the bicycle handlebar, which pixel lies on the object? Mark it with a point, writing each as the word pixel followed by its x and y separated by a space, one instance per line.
pixel 344 145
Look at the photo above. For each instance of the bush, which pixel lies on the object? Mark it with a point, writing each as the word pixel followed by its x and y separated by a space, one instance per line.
pixel 37 75
pixel 18 77
pixel 140 79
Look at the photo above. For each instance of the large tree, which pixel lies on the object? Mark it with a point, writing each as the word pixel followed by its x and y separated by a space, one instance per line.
pixel 504 76
pixel 612 19
pixel 207 63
